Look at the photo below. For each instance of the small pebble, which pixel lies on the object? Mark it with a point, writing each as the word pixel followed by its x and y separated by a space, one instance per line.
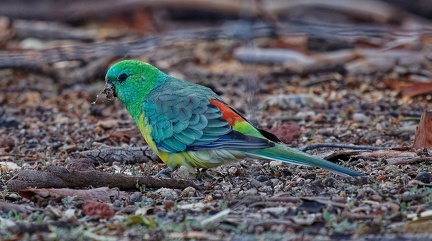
pixel 274 181
pixel 189 192
pixel 208 198
pixel 329 182
pixel 255 183
pixel 425 177
pixel 381 178
pixel 305 115
pixel 117 203
pixel 309 175
pixel 275 163
pixel 169 205
pixel 266 189
pixel 160 214
pixel 135 197
pixel 13 196
pixel 252 191
pixel 262 178
pixel 53 211
pixel 360 117
pixel 232 170
pixel 181 173
pixel 70 215
pixel 167 193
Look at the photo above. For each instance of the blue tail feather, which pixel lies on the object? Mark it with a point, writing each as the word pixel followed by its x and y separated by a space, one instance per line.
pixel 286 154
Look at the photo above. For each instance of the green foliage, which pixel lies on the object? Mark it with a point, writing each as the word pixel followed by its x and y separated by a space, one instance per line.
pixel 329 218
pixel 140 220
pixel 4 192
pixel 67 201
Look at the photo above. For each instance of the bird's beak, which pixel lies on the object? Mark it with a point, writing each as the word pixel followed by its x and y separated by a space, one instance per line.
pixel 108 83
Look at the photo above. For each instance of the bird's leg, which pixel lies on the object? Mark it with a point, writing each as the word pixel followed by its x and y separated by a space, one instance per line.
pixel 202 173
pixel 199 174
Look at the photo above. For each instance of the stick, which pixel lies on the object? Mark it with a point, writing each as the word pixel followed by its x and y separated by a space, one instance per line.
pixel 59 177
pixel 407 161
pixel 340 145
pixel 130 155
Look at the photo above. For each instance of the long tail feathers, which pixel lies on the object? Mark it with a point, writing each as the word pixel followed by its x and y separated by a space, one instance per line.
pixel 286 154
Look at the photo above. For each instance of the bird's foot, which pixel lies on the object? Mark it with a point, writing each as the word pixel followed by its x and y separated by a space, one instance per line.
pixel 203 174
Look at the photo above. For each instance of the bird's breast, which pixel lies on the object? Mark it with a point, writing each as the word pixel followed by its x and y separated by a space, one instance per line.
pixel 146 132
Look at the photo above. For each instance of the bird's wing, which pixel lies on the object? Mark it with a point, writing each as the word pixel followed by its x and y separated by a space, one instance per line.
pixel 187 119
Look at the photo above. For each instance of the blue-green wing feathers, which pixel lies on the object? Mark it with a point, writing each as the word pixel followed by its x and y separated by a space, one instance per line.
pixel 182 118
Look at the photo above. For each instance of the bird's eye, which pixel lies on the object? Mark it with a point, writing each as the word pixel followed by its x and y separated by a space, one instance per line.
pixel 122 77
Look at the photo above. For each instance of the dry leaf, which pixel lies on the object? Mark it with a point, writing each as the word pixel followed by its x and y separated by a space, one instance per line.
pixel 423 136
pixel 419 88
pixel 103 210
pixel 418 226
pixel 102 193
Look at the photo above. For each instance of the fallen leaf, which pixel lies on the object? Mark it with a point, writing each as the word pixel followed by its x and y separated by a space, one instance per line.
pixel 107 124
pixel 139 220
pixel 102 193
pixel 7 143
pixel 423 136
pixel 306 220
pixel 418 226
pixel 419 88
pixel 103 210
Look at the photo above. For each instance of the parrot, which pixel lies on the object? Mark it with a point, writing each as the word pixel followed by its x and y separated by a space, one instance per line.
pixel 187 124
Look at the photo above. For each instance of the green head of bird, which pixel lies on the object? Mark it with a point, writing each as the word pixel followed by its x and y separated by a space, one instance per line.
pixel 132 80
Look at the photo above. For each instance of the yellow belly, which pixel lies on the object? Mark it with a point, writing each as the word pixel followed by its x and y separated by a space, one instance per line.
pixel 190 159
pixel 172 160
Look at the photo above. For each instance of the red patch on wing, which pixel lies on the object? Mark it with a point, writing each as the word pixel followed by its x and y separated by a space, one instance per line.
pixel 227 113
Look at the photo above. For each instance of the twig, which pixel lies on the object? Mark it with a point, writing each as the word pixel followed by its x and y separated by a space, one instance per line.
pixel 407 161
pixel 40 227
pixel 37 58
pixel 192 235
pixel 80 75
pixel 326 202
pixel 272 222
pixel 51 30
pixel 264 204
pixel 358 216
pixel 215 218
pixel 284 199
pixel 79 9
pixel 103 194
pixel 130 155
pixel 59 177
pixel 340 145
pixel 17 155
pixel 6 207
